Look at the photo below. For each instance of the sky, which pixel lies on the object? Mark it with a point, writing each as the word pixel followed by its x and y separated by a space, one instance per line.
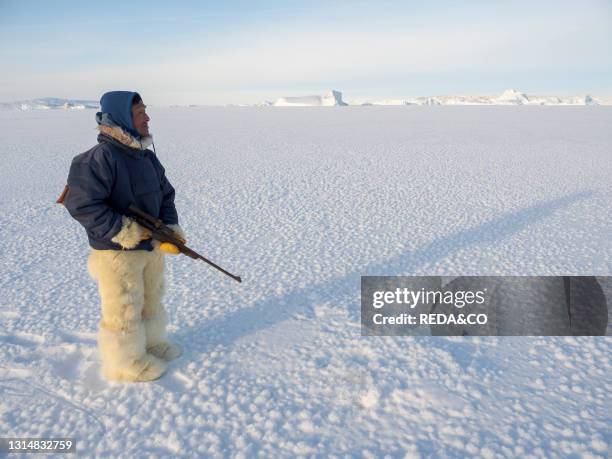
pixel 209 52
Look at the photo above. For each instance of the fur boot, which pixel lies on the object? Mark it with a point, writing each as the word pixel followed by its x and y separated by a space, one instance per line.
pixel 122 336
pixel 153 314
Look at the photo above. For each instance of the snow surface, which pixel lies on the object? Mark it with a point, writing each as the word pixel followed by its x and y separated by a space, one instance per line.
pixel 301 203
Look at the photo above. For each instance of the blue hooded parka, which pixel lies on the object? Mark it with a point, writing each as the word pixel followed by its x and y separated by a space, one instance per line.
pixel 106 179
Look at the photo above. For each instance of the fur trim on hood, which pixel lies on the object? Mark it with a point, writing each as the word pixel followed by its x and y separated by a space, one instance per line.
pixel 117 133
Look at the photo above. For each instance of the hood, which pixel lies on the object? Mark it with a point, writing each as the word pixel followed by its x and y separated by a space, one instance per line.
pixel 116 110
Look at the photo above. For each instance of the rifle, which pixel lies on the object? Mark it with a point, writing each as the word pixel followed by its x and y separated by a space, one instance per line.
pixel 162 233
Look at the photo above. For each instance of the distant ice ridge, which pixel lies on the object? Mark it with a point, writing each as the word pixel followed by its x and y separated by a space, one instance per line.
pixel 327 99
pixel 334 98
pixel 508 97
pixel 48 103
pixel 513 97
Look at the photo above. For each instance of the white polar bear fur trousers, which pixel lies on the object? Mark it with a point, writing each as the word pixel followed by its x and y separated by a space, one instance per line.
pixel 131 287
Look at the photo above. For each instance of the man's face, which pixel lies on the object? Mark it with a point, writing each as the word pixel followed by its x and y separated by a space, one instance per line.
pixel 140 119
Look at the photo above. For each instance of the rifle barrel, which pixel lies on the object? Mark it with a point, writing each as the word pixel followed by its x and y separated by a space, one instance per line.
pixel 156 226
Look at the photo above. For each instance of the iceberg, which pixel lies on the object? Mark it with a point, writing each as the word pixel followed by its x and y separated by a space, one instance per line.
pixel 327 99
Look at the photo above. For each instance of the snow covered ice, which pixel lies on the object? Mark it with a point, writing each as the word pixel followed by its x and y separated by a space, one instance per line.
pixel 301 202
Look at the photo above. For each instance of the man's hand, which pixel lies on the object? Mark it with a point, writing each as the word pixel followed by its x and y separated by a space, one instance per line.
pixel 181 239
pixel 146 234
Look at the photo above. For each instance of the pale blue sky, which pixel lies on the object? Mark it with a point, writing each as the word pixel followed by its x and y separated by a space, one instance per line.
pixel 246 51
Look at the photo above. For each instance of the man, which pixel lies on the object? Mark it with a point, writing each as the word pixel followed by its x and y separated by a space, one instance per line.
pixel 125 261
